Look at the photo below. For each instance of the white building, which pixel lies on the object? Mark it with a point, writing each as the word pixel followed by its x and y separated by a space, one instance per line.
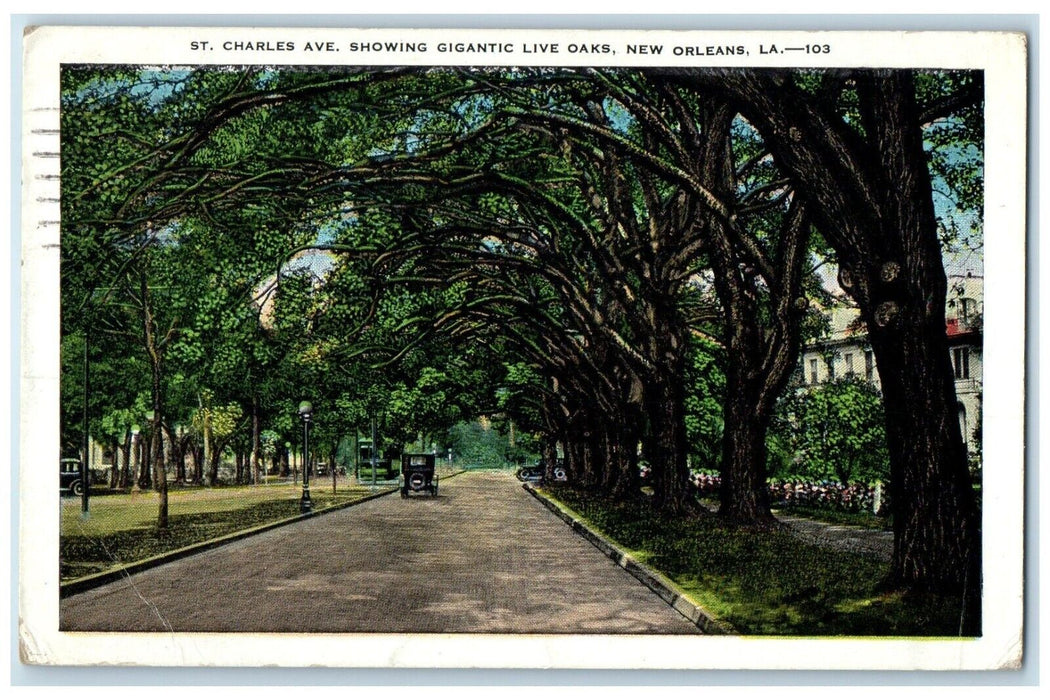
pixel 845 350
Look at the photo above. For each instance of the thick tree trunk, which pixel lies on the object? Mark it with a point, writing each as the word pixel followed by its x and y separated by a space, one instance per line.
pixel 197 455
pixel 744 494
pixel 589 475
pixel 665 405
pixel 145 478
pixel 760 354
pixel 622 482
pixel 574 458
pixel 215 458
pixel 114 473
pixel 256 454
pixel 936 522
pixel 549 455
pixel 124 480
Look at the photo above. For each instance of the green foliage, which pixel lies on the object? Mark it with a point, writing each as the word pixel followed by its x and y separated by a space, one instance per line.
pixel 704 423
pixel 835 432
pixel 220 420
pixel 475 445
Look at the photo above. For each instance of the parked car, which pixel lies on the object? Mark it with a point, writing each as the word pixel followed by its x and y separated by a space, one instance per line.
pixel 533 473
pixel 417 474
pixel 69 476
pixel 536 472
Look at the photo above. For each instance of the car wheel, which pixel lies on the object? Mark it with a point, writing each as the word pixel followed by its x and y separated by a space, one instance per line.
pixel 416 481
pixel 559 474
pixel 77 487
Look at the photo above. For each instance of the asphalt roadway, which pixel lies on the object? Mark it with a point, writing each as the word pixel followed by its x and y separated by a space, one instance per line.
pixel 482 557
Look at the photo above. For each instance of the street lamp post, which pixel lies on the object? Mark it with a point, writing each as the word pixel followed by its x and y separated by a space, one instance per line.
pixel 375 460
pixel 85 464
pixel 289 458
pixel 306 411
pixel 135 455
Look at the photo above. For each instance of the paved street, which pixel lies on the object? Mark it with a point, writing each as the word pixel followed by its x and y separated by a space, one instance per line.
pixel 484 556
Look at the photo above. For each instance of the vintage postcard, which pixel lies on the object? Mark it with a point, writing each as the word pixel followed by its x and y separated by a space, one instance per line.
pixel 522 348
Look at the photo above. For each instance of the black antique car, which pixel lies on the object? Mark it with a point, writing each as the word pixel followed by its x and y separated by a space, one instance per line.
pixel 417 474
pixel 69 476
pixel 537 472
pixel 533 473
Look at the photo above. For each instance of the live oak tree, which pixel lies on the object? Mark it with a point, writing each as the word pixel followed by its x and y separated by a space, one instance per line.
pixel 867 176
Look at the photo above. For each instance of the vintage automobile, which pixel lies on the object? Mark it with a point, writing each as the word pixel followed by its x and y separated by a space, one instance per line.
pixel 536 472
pixel 533 473
pixel 417 475
pixel 69 476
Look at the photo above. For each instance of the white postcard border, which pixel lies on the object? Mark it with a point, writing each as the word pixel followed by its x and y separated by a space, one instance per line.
pixel 1001 55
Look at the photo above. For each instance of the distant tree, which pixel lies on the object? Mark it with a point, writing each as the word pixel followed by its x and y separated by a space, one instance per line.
pixel 838 432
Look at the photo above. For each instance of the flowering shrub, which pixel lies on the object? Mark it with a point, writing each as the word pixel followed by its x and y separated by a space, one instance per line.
pixel 707 485
pixel 850 498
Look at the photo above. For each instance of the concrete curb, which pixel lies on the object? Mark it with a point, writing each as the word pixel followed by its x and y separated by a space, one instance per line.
pixel 659 584
pixel 86 583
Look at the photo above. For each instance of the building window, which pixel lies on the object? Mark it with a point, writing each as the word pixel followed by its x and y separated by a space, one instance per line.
pixel 831 368
pixel 961 360
pixel 869 365
pixel 849 364
pixel 812 371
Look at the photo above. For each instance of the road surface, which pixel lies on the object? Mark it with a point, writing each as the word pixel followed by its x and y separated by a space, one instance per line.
pixel 482 557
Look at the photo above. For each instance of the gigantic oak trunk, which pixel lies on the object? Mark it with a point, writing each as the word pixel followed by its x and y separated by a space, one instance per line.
pixel 744 494
pixel 549 455
pixel 621 478
pixel 667 449
pixel 936 526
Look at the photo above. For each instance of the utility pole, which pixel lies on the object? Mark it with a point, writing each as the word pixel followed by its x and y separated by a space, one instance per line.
pixel 85 464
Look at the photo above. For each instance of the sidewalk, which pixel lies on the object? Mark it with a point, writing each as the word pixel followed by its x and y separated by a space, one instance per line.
pixel 844 538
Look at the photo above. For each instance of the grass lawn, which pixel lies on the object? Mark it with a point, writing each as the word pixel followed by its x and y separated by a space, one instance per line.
pixel 767 583
pixel 121 527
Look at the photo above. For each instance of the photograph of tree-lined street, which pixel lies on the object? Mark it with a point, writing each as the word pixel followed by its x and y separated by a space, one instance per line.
pixel 730 320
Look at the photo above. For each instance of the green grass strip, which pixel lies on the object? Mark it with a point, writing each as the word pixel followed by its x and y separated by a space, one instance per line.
pixel 121 528
pixel 766 582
